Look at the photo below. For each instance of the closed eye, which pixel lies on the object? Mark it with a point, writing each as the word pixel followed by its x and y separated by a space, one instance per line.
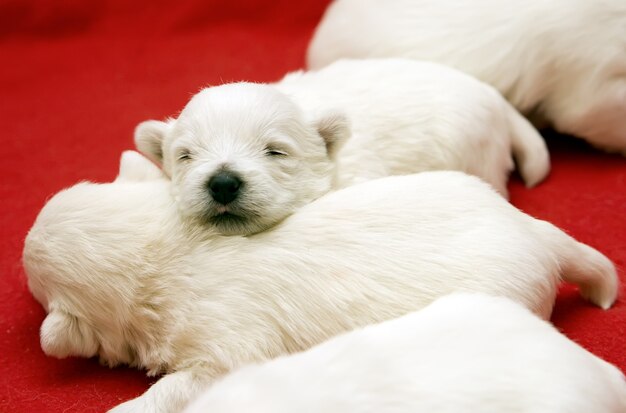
pixel 271 151
pixel 183 155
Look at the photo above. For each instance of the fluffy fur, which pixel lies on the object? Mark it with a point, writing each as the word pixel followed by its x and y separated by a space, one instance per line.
pixel 124 277
pixel 404 117
pixel 255 133
pixel 463 353
pixel 561 60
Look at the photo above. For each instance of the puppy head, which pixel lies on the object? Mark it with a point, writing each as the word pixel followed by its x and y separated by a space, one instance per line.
pixel 242 157
pixel 81 259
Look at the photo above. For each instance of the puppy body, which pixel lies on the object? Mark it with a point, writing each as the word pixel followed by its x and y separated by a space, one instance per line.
pixel 281 141
pixel 410 116
pixel 124 277
pixel 562 60
pixel 462 353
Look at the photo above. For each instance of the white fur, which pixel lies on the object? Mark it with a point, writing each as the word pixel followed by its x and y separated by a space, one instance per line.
pixel 405 117
pixel 463 353
pixel 561 60
pixel 125 278
pixel 409 116
pixel 255 132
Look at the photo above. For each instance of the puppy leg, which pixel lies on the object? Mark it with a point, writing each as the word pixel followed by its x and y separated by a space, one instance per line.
pixel 529 148
pixel 584 266
pixel 594 274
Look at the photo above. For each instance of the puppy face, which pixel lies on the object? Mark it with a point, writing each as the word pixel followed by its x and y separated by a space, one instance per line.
pixel 242 156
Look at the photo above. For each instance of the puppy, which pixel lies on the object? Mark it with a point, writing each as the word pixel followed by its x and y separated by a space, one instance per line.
pixel 244 156
pixel 125 277
pixel 463 353
pixel 561 60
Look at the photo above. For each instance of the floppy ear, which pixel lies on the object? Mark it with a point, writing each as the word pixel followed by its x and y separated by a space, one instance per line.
pixel 149 136
pixel 64 335
pixel 136 167
pixel 334 128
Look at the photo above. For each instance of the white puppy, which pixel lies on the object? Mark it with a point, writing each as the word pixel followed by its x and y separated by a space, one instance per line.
pixel 124 277
pixel 563 60
pixel 463 353
pixel 244 156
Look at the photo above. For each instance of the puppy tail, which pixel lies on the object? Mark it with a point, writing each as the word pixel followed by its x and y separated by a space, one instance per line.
pixel 529 149
pixel 588 268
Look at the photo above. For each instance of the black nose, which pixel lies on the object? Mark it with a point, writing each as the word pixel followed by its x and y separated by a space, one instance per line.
pixel 224 187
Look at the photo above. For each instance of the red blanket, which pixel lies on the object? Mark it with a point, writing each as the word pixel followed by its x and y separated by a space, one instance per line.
pixel 76 76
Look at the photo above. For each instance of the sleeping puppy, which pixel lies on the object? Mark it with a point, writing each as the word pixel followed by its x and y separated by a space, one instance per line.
pixel 123 276
pixel 560 60
pixel 244 156
pixel 463 353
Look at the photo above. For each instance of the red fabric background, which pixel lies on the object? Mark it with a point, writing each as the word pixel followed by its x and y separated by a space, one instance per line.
pixel 76 76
